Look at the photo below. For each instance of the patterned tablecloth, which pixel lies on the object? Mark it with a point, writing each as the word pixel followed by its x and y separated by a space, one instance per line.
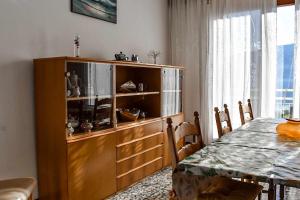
pixel 254 149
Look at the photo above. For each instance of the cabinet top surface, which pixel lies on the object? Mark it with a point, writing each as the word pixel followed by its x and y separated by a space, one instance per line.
pixel 114 62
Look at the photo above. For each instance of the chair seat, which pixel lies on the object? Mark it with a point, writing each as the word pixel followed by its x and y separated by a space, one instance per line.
pixel 222 188
pixel 19 188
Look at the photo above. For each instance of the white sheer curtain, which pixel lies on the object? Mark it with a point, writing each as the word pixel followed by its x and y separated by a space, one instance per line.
pixel 189 47
pixel 229 50
pixel 296 106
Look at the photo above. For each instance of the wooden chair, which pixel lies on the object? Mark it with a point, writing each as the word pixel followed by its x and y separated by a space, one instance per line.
pixel 219 186
pixel 103 111
pixel 18 188
pixel 75 109
pixel 221 117
pixel 178 145
pixel 246 113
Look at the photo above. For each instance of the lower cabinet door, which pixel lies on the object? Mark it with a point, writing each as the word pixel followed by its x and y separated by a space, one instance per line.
pixel 92 168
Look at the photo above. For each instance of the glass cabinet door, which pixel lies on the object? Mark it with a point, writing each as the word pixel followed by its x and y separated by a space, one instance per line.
pixel 89 92
pixel 172 91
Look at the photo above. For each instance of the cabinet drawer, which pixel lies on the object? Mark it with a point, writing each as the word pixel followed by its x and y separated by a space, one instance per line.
pixel 139 173
pixel 136 146
pixel 140 159
pixel 138 132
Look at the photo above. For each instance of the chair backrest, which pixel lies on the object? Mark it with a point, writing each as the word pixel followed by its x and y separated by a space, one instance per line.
pixel 178 146
pixel 75 109
pixel 221 117
pixel 246 113
pixel 102 109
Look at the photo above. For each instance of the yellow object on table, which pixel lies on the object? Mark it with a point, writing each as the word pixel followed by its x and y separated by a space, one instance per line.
pixel 291 128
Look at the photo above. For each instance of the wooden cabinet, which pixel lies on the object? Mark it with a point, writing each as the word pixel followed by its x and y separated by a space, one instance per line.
pixel 76 161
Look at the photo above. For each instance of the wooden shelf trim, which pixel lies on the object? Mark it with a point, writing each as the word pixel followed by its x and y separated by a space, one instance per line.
pixel 142 152
pixel 139 139
pixel 152 161
pixel 136 94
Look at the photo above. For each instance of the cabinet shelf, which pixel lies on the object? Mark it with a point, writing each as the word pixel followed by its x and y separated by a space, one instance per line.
pixel 136 94
pixel 88 97
pixel 172 91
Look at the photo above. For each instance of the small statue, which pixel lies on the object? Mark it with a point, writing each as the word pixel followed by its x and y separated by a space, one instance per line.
pixel 86 126
pixel 70 129
pixel 77 46
pixel 154 55
pixel 129 86
pixel 143 115
pixel 73 84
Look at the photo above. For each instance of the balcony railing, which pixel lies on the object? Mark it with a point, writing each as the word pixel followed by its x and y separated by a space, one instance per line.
pixel 284 103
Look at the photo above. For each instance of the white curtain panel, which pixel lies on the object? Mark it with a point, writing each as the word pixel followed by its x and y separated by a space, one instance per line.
pixel 229 50
pixel 189 47
pixel 296 105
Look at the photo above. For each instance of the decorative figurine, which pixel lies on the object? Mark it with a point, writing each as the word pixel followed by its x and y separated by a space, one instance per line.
pixel 73 84
pixel 121 57
pixel 70 129
pixel 154 55
pixel 86 126
pixel 77 46
pixel 141 87
pixel 76 91
pixel 143 115
pixel 69 93
pixel 129 86
pixel 134 58
pixel 74 122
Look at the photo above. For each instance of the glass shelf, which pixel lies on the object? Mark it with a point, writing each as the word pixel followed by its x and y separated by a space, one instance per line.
pixel 88 97
pixel 170 91
pixel 136 94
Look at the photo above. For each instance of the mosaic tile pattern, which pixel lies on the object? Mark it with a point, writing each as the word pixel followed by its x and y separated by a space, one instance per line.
pixel 157 187
pixel 153 187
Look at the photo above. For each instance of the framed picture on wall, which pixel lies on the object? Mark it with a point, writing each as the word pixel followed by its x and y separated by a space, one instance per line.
pixel 101 9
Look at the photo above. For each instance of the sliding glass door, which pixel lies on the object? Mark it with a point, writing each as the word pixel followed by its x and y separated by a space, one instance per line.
pixel 285 61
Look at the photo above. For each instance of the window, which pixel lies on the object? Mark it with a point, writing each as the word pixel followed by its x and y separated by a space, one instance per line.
pixel 285 61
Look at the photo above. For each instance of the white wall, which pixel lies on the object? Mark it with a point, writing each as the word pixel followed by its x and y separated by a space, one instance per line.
pixel 44 28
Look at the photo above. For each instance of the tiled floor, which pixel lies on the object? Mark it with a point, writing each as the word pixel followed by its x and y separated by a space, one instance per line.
pixel 157 187
pixel 153 187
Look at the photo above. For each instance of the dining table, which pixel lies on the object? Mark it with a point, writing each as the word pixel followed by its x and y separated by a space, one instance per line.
pixel 253 150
